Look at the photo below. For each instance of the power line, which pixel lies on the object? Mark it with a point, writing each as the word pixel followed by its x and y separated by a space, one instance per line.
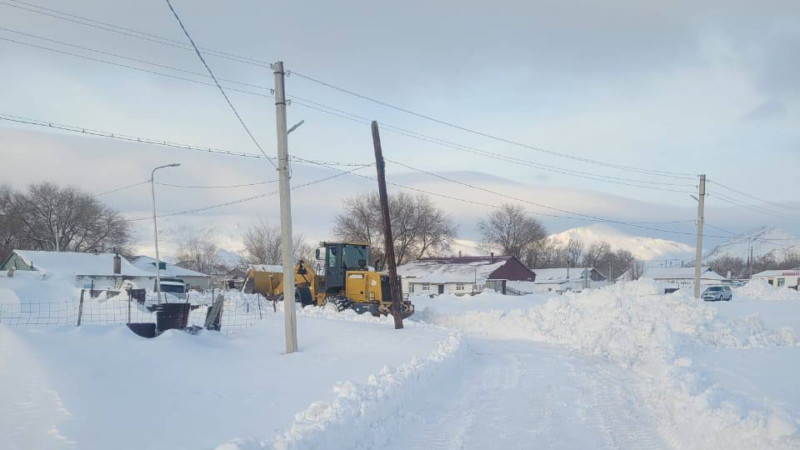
pixel 497 138
pixel 125 66
pixel 510 197
pixel 124 137
pixel 247 199
pixel 122 188
pixel 228 186
pixel 303 101
pixel 752 196
pixel 753 207
pixel 158 142
pixel 644 184
pixel 474 202
pixel 222 91
pixel 105 26
pixel 167 41
pixel 116 55
pixel 492 155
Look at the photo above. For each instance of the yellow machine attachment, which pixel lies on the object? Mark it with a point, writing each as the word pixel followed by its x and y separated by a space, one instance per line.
pixel 342 278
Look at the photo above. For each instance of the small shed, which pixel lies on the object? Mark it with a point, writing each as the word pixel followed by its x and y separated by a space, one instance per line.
pixel 99 271
pixel 462 275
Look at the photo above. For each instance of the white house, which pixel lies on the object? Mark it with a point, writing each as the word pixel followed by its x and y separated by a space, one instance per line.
pixel 91 271
pixel 462 275
pixel 563 279
pixel 193 280
pixel 780 278
pixel 674 278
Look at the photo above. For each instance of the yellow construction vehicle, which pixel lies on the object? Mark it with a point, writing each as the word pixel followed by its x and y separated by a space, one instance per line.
pixel 341 277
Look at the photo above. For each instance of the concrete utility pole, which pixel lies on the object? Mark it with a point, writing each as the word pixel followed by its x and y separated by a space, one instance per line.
pixel 698 257
pixel 387 228
pixel 155 226
pixel 287 253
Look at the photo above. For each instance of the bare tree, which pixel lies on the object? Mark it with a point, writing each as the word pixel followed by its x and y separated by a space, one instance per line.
pixel 262 245
pixel 510 231
pixel 636 270
pixel 49 217
pixel 572 253
pixel 597 253
pixel 419 228
pixel 198 252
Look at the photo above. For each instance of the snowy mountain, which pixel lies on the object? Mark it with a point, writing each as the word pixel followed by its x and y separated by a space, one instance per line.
pixel 764 240
pixel 644 248
pixel 228 258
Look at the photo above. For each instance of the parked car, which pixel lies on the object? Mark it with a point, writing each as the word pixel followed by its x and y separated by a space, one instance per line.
pixel 718 293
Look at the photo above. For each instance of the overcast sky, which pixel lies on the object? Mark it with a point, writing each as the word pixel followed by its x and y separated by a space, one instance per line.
pixel 682 86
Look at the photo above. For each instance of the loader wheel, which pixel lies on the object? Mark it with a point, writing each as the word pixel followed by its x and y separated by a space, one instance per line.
pixel 341 303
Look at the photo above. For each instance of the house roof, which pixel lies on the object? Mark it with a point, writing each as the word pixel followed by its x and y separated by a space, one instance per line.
pixel 101 264
pixel 673 273
pixel 464 269
pixel 777 273
pixel 148 264
pixel 265 267
pixel 558 275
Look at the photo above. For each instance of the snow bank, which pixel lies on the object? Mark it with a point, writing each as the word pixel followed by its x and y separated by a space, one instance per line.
pixel 104 387
pixel 657 336
pixel 759 289
pixel 26 286
pixel 362 411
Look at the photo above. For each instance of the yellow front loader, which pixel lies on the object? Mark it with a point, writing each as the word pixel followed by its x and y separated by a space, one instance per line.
pixel 341 277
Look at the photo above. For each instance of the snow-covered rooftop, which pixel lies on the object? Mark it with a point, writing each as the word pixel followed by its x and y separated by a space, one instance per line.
pixel 101 264
pixel 465 269
pixel 777 273
pixel 265 267
pixel 560 274
pixel 148 264
pixel 676 273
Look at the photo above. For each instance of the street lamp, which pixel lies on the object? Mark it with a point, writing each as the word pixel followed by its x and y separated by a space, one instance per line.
pixel 155 226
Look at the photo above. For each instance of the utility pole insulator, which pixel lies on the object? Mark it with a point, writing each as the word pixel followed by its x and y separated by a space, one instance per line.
pixel 287 252
pixel 388 240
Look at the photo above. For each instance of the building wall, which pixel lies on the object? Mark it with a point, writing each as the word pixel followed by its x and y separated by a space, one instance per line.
pixel 15 262
pixel 513 270
pixel 791 281
pixel 433 288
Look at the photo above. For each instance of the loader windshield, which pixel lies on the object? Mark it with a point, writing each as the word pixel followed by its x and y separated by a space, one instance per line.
pixel 355 256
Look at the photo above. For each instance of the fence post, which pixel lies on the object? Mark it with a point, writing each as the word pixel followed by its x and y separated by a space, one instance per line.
pixel 129 308
pixel 80 308
pixel 258 299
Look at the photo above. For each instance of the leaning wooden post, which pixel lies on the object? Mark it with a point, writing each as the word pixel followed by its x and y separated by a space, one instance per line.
pixel 80 308
pixel 387 228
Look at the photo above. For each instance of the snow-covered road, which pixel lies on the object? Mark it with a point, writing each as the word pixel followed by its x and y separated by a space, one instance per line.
pixel 520 395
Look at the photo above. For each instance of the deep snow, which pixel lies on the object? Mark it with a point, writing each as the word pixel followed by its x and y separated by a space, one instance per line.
pixel 620 367
pixel 105 388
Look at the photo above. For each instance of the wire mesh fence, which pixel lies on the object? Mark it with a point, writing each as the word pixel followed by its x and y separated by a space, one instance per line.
pixel 239 311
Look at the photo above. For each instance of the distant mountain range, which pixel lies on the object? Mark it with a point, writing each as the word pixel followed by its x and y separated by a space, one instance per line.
pixel 644 248
pixel 764 240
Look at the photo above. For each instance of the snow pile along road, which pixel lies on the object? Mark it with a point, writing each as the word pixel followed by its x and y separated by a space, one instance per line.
pixel 657 336
pixel 761 290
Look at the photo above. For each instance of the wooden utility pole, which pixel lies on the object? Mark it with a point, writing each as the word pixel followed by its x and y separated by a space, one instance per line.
pixel 287 253
pixel 698 258
pixel 387 228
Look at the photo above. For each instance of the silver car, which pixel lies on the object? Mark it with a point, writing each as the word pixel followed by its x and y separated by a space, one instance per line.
pixel 717 294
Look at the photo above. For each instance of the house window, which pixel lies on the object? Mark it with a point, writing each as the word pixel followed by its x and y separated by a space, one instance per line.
pixel 459 286
pixel 425 287
pixel 781 282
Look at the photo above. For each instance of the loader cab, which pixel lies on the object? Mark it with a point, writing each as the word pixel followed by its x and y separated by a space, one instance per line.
pixel 339 258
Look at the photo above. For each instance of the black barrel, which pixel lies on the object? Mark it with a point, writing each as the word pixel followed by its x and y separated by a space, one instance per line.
pixel 172 316
pixel 146 330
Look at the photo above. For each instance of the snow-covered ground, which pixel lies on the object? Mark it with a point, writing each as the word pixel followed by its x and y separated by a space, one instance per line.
pixel 618 368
